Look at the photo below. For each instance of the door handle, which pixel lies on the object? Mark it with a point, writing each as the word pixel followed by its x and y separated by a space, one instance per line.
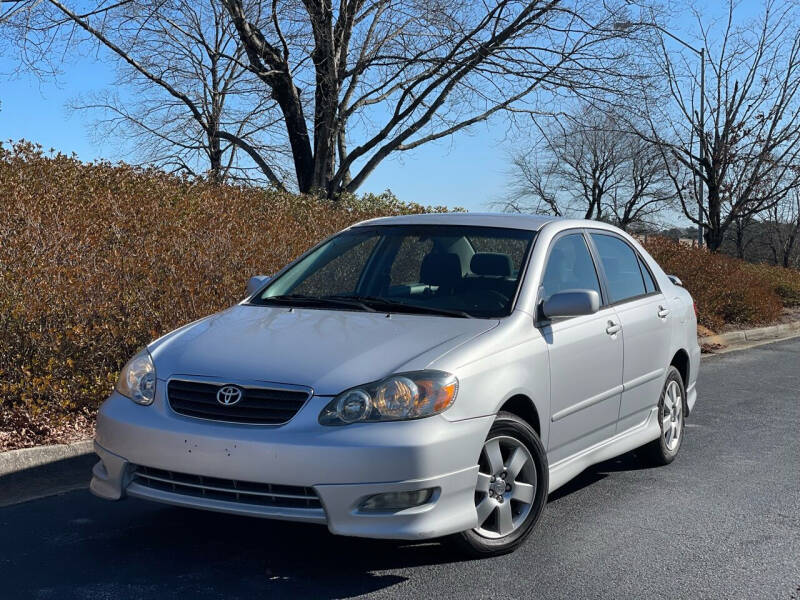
pixel 613 328
pixel 663 312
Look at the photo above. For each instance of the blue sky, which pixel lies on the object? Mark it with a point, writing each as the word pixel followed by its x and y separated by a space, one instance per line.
pixel 469 170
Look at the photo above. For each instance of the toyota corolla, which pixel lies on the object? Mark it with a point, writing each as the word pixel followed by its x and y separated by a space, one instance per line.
pixel 412 377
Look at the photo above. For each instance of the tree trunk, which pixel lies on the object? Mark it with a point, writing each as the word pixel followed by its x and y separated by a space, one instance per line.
pixel 740 241
pixel 790 243
pixel 714 237
pixel 715 231
pixel 215 158
pixel 788 248
pixel 288 98
pixel 326 95
pixel 273 69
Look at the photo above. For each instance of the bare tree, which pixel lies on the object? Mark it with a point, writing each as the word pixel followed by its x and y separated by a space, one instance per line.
pixel 592 166
pixel 750 134
pixel 190 103
pixel 409 72
pixel 644 191
pixel 578 166
pixel 783 220
pixel 742 226
pixel 432 68
pixel 359 80
pixel 532 187
pixel 194 48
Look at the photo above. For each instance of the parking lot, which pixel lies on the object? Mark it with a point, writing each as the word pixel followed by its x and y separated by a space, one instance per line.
pixel 723 521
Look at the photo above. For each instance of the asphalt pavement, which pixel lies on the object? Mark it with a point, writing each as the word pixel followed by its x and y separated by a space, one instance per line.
pixel 722 521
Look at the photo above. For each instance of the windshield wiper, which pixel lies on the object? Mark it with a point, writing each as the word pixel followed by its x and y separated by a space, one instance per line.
pixel 397 306
pixel 366 303
pixel 303 300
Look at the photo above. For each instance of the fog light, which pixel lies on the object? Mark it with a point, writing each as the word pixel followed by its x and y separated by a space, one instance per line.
pixel 397 500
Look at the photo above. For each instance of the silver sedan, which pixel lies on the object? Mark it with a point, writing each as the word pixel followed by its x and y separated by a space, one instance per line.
pixel 412 377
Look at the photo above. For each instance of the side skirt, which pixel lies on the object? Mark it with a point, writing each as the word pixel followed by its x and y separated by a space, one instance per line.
pixel 630 439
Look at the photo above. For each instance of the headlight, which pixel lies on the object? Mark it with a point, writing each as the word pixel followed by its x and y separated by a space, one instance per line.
pixel 397 398
pixel 137 380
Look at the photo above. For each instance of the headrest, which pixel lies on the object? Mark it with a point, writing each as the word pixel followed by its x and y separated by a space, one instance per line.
pixel 441 269
pixel 559 267
pixel 495 264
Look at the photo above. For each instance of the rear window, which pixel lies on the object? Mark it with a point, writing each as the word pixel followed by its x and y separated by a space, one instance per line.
pixel 649 282
pixel 621 265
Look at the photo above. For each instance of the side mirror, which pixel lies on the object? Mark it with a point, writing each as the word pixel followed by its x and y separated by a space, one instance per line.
pixel 256 282
pixel 675 280
pixel 571 303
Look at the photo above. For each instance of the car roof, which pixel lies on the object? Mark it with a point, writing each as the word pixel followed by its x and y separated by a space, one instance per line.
pixel 508 220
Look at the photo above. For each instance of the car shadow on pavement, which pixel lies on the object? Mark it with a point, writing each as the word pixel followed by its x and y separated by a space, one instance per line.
pixel 45 480
pixel 77 546
pixel 255 557
pixel 630 461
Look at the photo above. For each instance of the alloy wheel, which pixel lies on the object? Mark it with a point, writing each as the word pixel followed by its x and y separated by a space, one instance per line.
pixel 671 413
pixel 506 486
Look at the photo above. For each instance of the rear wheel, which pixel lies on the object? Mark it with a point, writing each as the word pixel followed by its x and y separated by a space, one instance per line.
pixel 670 419
pixel 511 490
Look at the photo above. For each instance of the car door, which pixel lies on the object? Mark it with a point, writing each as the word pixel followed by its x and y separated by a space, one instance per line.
pixel 644 315
pixel 585 354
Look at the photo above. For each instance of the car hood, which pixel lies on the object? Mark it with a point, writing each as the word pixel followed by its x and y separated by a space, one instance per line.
pixel 327 350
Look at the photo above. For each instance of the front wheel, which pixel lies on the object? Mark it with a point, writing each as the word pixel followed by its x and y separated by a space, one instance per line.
pixel 511 490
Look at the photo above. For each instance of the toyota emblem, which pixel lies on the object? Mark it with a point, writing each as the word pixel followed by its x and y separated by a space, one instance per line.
pixel 229 395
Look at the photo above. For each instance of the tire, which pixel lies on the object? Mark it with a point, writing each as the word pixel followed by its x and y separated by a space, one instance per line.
pixel 507 517
pixel 671 421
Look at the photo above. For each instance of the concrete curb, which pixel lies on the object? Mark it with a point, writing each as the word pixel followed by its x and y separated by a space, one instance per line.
pixel 27 458
pixel 746 337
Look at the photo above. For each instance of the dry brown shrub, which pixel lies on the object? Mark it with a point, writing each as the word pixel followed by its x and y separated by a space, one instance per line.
pixel 98 259
pixel 727 290
pixel 785 282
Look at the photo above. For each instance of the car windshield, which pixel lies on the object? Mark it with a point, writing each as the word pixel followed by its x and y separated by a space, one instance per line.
pixel 449 270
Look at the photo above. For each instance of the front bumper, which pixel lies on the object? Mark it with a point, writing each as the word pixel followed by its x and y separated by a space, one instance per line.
pixel 342 465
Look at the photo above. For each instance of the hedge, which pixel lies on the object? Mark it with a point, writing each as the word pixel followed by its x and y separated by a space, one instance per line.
pixel 97 259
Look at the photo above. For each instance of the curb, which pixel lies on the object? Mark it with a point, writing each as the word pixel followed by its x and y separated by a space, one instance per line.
pixel 735 339
pixel 27 458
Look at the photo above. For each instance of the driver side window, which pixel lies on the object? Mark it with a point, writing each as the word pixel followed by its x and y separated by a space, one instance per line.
pixel 569 267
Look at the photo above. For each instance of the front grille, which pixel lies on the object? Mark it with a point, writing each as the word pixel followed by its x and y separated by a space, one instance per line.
pixel 229 490
pixel 258 406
